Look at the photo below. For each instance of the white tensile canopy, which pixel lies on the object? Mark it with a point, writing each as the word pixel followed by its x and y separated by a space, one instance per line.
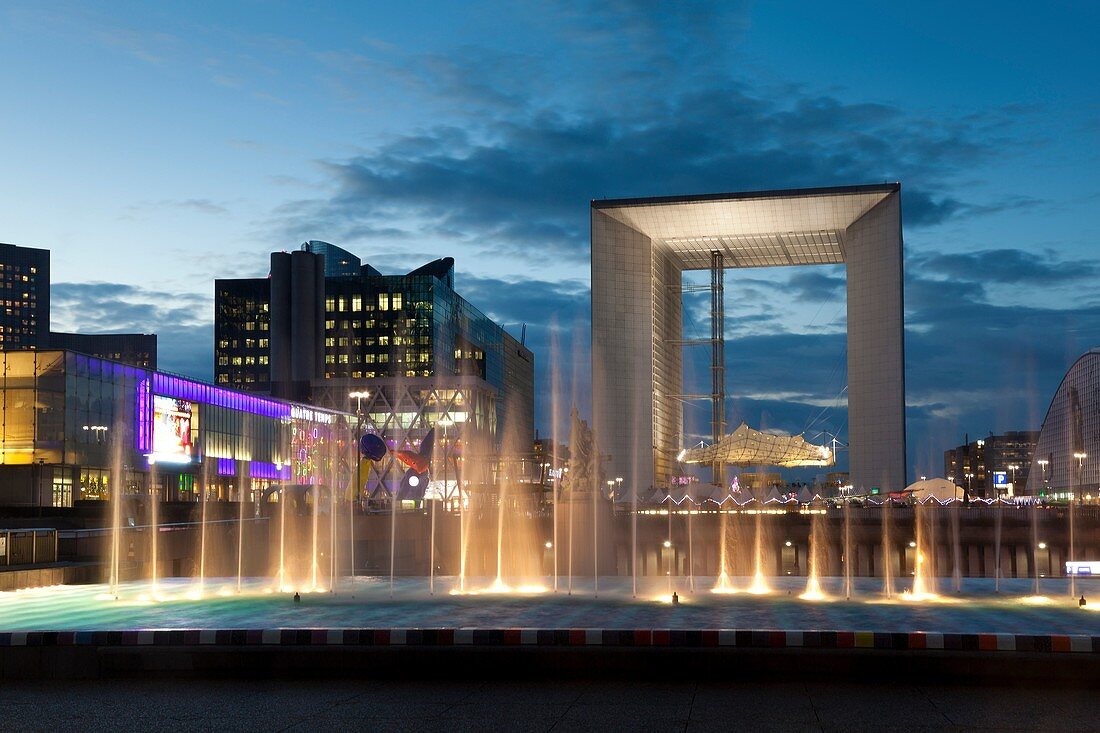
pixel 748 447
pixel 934 488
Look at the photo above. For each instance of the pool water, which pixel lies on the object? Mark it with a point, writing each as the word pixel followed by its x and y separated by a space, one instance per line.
pixel 370 603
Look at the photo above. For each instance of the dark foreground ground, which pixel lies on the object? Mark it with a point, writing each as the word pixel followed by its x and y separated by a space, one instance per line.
pixel 316 705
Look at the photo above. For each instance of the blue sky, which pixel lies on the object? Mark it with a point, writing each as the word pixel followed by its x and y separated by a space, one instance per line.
pixel 153 148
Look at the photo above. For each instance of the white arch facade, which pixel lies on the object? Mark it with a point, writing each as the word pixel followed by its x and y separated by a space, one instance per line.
pixel 640 247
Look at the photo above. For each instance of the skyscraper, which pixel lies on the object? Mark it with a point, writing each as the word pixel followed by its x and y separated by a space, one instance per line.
pixel 24 297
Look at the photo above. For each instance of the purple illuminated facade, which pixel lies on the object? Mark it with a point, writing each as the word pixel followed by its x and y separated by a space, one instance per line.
pixel 239 444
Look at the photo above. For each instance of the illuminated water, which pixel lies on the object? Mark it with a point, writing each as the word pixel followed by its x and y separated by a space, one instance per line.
pixel 366 602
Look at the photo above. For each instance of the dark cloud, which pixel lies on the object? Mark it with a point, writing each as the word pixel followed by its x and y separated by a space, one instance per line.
pixel 814 285
pixel 182 322
pixel 1007 266
pixel 637 98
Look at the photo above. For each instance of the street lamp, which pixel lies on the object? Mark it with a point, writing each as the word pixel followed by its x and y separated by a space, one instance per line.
pixel 1043 463
pixel 358 397
pixel 1013 467
pixel 969 476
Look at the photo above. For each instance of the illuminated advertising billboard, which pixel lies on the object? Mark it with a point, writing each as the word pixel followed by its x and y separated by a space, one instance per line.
pixel 173 424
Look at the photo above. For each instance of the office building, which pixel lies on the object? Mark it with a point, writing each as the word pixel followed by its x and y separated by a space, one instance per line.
pixel 136 349
pixel 24 297
pixel 994 466
pixel 25 314
pixel 325 325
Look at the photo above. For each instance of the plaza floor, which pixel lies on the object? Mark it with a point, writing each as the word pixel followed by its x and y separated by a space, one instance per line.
pixel 231 705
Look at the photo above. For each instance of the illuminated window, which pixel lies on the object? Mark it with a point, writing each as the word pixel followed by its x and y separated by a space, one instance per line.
pixel 356 303
pixel 396 301
pixel 383 301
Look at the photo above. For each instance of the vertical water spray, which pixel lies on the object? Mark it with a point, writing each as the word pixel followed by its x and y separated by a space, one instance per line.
pixel 596 491
pixel 431 554
pixel 393 533
pixel 501 492
pixel 241 496
pixel 555 417
pixel 887 552
pixel 463 534
pixel 924 577
pixel 202 538
pixel 333 490
pixel 759 579
pixel 849 560
pixel 815 559
pixel 997 522
pixel 569 560
pixel 1072 555
pixel 282 537
pixel 690 553
pixel 1035 545
pixel 154 528
pixel 723 584
pixel 316 491
pixel 116 508
pixel 956 549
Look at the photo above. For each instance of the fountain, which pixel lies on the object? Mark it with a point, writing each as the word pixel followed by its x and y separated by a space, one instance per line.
pixel 724 584
pixel 849 559
pixel 924 558
pixel 154 528
pixel 998 523
pixel 816 558
pixel 759 584
pixel 887 552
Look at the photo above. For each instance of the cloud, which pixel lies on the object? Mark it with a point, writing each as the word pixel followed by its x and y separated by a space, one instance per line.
pixel 1007 266
pixel 626 98
pixel 199 205
pixel 182 322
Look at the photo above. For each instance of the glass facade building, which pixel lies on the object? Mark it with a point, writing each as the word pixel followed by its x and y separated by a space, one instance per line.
pixel 1067 457
pixel 380 331
pixel 75 425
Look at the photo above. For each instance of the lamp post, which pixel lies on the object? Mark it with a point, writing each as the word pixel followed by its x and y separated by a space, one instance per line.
pixel 1013 467
pixel 1043 463
pixel 358 397
pixel 969 478
pixel 1080 456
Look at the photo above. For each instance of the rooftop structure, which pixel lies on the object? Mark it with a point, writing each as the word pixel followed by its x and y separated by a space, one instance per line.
pixel 748 447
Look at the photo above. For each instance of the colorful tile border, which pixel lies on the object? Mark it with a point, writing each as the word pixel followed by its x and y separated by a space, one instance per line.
pixel 678 638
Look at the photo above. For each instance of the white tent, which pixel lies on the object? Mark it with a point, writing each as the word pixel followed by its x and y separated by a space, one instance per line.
pixel 748 447
pixel 939 489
